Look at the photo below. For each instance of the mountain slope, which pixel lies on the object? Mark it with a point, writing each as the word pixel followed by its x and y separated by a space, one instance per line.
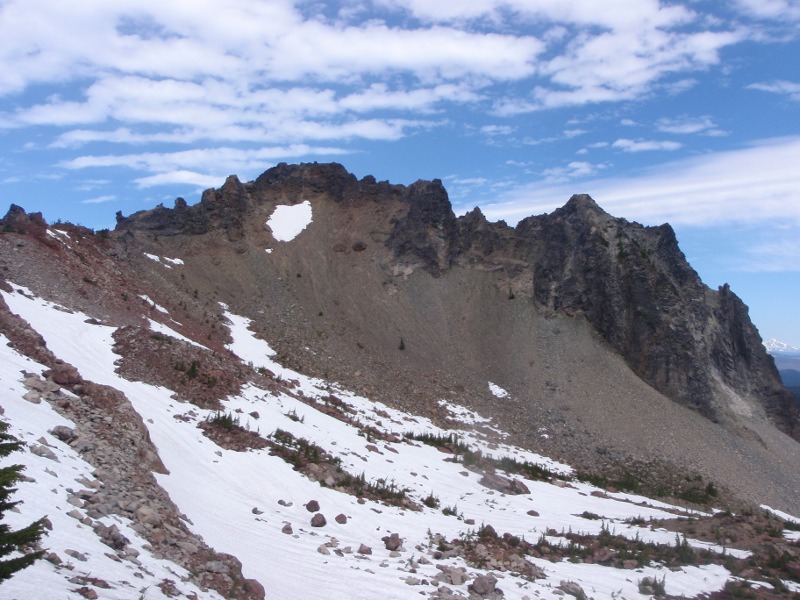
pixel 546 310
pixel 630 282
pixel 252 504
pixel 581 337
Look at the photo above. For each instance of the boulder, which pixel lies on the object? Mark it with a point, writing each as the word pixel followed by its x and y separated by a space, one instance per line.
pixel 392 542
pixel 318 520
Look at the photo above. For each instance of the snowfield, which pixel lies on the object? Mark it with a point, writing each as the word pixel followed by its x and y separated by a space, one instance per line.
pixel 219 489
pixel 288 221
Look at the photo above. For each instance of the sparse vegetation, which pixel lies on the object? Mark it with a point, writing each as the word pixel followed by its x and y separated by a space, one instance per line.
pixel 225 420
pixel 193 370
pixel 450 511
pixel 431 501
pixel 439 440
pixel 300 453
pixel 380 489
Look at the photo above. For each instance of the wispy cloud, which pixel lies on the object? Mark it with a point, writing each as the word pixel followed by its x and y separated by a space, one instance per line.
pixel 786 88
pixel 168 75
pixel 776 256
pixel 573 170
pixel 497 130
pixel 99 199
pixel 779 10
pixel 201 166
pixel 685 125
pixel 627 145
pixel 88 185
pixel 755 184
pixel 179 176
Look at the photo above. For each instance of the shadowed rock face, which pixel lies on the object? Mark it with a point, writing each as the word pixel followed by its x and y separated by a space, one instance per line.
pixel 632 283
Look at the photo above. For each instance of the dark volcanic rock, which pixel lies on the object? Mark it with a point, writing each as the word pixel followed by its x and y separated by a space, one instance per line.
pixel 429 231
pixel 635 286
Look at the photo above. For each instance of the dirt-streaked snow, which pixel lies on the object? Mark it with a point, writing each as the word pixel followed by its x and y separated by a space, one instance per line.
pixel 497 391
pixel 46 493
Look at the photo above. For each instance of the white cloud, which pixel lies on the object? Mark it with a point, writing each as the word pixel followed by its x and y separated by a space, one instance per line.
pixel 230 70
pixel 467 180
pixel 616 14
pixel 497 130
pixel 88 185
pixel 688 125
pixel 379 97
pixel 180 176
pixel 788 88
pixel 574 170
pixel 201 166
pixel 99 199
pixel 755 184
pixel 781 10
pixel 627 145
pixel 571 133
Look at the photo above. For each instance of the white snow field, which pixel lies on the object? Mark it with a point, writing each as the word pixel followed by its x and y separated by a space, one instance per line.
pixel 288 221
pixel 218 489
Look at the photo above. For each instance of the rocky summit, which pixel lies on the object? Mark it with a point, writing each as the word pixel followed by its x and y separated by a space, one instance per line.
pixel 370 309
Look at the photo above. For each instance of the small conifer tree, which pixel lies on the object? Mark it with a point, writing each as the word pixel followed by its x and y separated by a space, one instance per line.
pixel 13 541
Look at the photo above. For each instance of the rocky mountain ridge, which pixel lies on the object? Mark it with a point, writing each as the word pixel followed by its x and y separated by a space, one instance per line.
pixel 632 283
pixel 574 335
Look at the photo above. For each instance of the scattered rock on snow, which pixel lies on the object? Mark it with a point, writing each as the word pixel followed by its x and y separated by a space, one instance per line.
pixel 76 555
pixel 318 520
pixel 63 433
pixel 44 452
pixel 501 484
pixel 572 588
pixel 392 542
pixel 485 586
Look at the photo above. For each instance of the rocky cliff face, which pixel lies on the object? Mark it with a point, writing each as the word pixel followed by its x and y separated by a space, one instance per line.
pixel 631 283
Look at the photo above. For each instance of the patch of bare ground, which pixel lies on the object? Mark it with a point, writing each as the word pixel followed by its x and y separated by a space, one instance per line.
pixel 224 430
pixel 197 375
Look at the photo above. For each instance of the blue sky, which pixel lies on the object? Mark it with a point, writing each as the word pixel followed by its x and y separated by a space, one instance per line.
pixel 682 112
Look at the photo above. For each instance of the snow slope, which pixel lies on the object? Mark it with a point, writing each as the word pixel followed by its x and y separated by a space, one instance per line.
pixel 50 483
pixel 219 489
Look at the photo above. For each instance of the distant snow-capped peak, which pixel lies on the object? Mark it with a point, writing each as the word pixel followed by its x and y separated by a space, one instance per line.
pixel 772 345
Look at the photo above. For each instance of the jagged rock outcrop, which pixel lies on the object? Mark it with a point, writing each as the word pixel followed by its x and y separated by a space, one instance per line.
pixel 632 283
